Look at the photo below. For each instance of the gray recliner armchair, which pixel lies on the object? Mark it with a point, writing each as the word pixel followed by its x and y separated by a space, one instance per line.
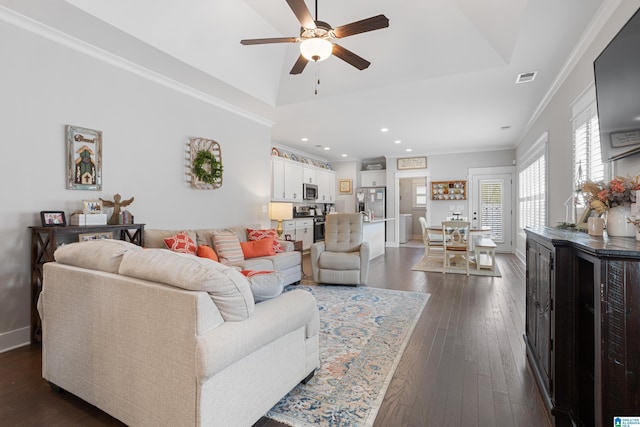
pixel 343 258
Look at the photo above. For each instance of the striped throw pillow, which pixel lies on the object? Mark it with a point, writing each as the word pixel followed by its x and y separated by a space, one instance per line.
pixel 227 246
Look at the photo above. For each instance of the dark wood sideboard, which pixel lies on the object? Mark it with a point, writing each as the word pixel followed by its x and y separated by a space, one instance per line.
pixel 44 242
pixel 582 331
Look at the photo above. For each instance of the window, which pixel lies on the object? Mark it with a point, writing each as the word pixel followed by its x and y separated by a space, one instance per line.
pixel 587 157
pixel 419 195
pixel 532 187
pixel 491 197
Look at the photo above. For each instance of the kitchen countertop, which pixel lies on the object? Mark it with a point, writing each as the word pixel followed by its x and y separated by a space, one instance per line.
pixel 379 220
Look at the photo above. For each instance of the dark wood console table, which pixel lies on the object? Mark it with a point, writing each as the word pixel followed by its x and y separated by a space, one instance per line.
pixel 582 330
pixel 44 242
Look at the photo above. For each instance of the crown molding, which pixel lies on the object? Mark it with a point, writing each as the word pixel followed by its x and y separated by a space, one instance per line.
pixel 28 24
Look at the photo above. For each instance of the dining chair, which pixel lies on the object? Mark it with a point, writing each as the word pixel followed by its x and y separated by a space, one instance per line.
pixel 456 243
pixel 428 243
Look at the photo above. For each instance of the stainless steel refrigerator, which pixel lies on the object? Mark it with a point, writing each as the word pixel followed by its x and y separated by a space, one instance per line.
pixel 372 199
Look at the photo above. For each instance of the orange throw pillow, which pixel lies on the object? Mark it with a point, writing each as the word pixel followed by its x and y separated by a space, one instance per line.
pixel 205 251
pixel 264 234
pixel 181 243
pixel 257 248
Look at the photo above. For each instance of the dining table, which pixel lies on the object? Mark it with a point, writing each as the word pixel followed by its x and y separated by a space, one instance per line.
pixel 473 231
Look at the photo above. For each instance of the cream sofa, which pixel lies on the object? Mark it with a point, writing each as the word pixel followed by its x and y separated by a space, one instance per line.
pixel 287 262
pixel 157 338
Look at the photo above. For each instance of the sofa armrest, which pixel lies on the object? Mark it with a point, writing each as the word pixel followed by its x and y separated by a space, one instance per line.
pixel 272 319
pixel 365 253
pixel 316 249
pixel 287 245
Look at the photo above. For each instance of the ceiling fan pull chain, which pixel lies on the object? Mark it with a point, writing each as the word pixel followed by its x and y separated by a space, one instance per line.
pixel 317 78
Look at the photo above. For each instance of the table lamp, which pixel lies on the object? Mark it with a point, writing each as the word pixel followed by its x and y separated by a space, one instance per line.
pixel 280 211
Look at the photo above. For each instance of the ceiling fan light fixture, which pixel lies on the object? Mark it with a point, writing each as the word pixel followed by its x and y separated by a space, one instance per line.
pixel 316 49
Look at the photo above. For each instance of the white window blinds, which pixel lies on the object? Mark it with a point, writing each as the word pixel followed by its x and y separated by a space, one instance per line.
pixel 491 200
pixel 587 157
pixel 532 187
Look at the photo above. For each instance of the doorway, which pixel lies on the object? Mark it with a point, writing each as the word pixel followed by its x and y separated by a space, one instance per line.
pixel 411 198
pixel 491 196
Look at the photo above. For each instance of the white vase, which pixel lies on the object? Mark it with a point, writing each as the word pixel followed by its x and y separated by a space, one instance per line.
pixel 617 225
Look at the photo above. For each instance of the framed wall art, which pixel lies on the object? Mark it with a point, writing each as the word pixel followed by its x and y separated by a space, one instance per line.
pixel 53 219
pixel 345 186
pixel 412 163
pixel 84 158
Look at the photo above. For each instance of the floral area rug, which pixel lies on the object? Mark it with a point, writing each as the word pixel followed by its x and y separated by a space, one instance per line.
pixel 434 264
pixel 363 333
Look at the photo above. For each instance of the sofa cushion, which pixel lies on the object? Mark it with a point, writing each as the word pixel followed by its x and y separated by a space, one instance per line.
pixel 340 260
pixel 228 288
pixel 261 263
pixel 254 234
pixel 257 248
pixel 102 255
pixel 180 242
pixel 286 260
pixel 227 246
pixel 205 251
pixel 265 284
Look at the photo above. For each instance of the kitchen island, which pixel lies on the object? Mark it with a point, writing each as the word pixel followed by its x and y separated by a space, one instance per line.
pixel 374 232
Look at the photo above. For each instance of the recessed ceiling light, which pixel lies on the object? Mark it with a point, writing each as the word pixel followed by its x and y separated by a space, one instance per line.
pixel 397 141
pixel 384 130
pixel 408 150
pixel 327 148
pixel 343 155
pixel 304 139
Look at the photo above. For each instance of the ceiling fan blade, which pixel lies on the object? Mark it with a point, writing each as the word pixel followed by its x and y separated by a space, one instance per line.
pixel 298 67
pixel 369 24
pixel 302 13
pixel 271 40
pixel 346 55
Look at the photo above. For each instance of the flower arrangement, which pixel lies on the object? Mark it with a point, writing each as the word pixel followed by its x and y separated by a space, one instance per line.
pixel 618 192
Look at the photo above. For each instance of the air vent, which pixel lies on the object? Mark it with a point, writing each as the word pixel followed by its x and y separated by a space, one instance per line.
pixel 526 77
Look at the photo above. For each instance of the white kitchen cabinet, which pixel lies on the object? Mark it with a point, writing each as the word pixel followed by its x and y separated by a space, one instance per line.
pixel 309 174
pixel 376 178
pixel 304 232
pixel 293 181
pixel 286 180
pixel 277 178
pixel 326 186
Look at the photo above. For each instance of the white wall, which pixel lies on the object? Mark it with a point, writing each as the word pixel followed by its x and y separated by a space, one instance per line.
pixel 443 167
pixel 145 125
pixel 555 119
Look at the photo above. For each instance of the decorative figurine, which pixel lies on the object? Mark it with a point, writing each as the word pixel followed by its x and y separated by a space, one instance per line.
pixel 116 205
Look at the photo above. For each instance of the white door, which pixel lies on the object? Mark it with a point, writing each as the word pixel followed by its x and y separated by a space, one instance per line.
pixel 491 205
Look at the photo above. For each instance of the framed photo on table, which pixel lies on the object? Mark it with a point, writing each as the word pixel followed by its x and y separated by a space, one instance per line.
pixel 95 236
pixel 53 219
pixel 345 186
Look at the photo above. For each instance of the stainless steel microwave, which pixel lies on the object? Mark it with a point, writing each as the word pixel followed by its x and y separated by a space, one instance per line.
pixel 310 191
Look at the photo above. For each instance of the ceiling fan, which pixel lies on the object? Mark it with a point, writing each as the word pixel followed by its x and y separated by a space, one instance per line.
pixel 316 37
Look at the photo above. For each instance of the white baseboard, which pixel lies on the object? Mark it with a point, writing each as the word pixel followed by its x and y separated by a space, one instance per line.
pixel 14 339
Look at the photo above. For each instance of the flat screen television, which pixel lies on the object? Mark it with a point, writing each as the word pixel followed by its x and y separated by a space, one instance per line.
pixel 617 80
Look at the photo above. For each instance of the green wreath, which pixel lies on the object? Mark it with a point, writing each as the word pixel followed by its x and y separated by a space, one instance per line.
pixel 204 158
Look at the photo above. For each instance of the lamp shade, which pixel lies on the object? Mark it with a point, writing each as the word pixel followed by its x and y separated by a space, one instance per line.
pixel 280 210
pixel 316 49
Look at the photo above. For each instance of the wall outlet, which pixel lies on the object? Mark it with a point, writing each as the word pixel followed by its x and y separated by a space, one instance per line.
pixel 264 208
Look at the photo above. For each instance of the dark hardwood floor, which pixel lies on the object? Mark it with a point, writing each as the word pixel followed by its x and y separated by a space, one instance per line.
pixel 465 364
